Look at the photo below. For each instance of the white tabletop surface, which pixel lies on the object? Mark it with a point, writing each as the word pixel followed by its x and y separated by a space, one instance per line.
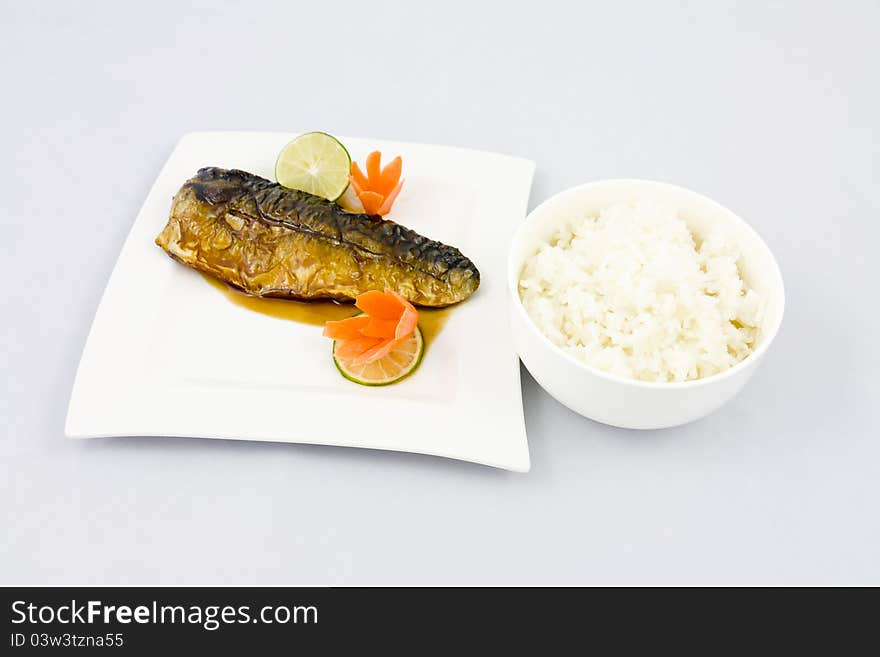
pixel 771 110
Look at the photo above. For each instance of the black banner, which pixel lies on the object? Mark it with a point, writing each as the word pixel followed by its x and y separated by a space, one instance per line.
pixel 321 620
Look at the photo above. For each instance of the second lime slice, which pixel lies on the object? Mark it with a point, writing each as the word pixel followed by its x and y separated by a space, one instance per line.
pixel 314 162
pixel 397 365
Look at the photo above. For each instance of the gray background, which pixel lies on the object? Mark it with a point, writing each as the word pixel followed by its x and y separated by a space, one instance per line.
pixel 770 108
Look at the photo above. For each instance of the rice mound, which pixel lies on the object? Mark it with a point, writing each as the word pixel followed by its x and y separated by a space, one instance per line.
pixel 632 293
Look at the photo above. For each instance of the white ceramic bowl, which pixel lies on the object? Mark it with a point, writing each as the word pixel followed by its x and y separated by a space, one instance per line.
pixel 623 402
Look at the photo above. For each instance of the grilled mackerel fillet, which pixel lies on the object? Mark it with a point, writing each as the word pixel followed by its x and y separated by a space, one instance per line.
pixel 275 242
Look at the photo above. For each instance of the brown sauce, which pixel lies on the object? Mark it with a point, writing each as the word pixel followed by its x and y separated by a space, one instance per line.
pixel 432 321
pixel 316 313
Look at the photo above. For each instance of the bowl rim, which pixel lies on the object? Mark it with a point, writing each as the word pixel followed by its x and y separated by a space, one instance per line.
pixel 513 289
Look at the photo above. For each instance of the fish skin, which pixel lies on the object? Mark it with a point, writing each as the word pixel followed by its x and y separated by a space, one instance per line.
pixel 271 241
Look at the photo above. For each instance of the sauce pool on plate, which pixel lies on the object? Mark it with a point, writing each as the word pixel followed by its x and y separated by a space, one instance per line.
pixel 317 313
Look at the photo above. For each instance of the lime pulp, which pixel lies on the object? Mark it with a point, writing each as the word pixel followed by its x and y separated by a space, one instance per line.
pixel 316 163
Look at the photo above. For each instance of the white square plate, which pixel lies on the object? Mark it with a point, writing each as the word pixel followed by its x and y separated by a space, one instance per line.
pixel 170 355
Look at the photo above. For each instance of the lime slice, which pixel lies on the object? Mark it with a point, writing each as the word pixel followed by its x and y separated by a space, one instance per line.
pixel 315 163
pixel 389 369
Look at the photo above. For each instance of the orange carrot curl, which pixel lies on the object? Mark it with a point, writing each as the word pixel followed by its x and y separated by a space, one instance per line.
pixel 388 320
pixel 378 189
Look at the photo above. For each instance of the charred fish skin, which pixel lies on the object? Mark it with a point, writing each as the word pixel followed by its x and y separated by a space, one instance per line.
pixel 271 241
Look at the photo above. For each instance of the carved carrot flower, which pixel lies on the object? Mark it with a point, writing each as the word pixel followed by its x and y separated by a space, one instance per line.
pixel 388 321
pixel 378 189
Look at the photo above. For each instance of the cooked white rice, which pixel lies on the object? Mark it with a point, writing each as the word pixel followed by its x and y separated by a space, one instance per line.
pixel 633 293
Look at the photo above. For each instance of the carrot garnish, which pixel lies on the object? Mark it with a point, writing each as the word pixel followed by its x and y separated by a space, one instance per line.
pixel 358 179
pixel 374 170
pixel 378 189
pixel 347 329
pixel 385 208
pixel 371 201
pixel 391 174
pixel 387 321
